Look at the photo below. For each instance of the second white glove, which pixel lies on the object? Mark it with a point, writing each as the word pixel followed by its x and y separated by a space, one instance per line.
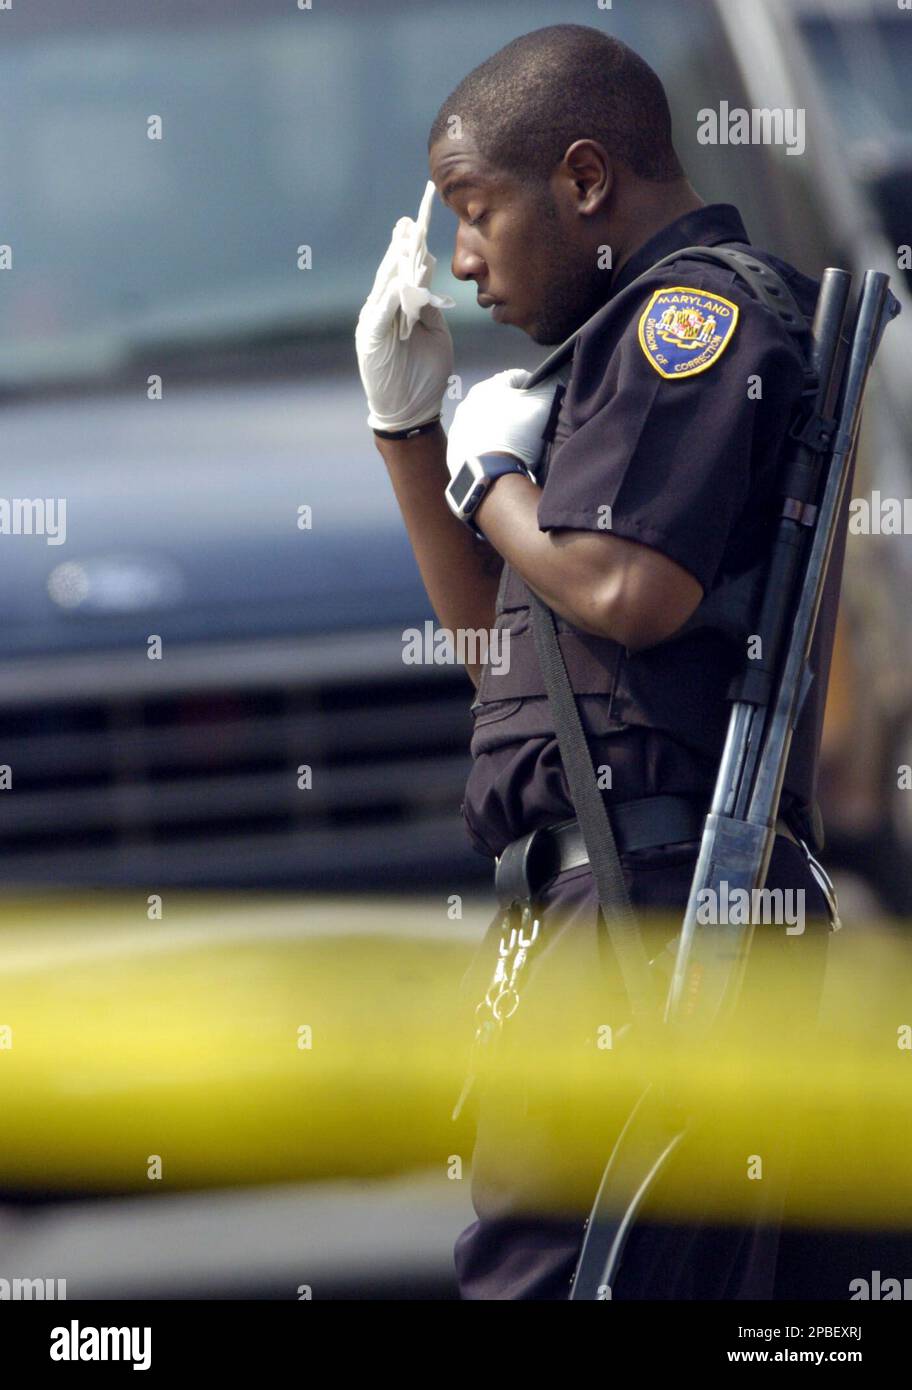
pixel 497 416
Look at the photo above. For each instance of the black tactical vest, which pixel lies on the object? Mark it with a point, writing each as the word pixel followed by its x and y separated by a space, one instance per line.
pixel 678 686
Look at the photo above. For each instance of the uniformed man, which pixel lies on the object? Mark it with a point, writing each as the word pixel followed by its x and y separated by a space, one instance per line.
pixel 556 156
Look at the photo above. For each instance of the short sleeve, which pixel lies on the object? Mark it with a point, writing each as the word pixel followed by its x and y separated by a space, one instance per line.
pixel 672 458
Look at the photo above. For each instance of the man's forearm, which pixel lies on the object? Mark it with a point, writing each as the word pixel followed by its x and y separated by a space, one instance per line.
pixel 460 573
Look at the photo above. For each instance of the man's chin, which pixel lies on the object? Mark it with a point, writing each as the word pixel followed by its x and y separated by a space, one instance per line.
pixel 552 334
pixel 530 330
pixel 539 333
pixel 547 337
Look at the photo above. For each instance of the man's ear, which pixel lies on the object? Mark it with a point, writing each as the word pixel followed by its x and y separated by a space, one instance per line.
pixel 588 176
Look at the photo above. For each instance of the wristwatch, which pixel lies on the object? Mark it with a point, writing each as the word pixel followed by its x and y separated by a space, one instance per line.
pixel 470 485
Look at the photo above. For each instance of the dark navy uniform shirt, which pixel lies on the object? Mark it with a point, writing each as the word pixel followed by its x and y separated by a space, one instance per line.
pixel 688 466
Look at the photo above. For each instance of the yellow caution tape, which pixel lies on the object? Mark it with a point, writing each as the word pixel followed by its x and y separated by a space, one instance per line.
pixel 228 1044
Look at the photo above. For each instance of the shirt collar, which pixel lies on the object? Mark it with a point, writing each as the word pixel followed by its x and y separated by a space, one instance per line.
pixel 705 226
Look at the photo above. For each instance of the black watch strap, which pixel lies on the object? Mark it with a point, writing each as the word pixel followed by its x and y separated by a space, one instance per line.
pixel 496 466
pixel 409 433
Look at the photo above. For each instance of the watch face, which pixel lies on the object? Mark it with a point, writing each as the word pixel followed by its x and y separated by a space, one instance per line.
pixel 461 485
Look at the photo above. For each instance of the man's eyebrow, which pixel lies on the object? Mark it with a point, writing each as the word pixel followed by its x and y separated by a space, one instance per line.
pixel 454 185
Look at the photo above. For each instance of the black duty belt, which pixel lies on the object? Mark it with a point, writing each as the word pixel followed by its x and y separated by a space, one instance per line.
pixel 528 864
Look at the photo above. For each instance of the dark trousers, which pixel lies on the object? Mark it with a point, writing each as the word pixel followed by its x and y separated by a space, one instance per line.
pixel 510 1252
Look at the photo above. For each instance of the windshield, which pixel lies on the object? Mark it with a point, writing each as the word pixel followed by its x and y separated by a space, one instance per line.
pixel 280 128
pixel 118 238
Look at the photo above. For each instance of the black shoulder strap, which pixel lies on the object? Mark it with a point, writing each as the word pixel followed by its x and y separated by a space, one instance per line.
pixel 591 812
pixel 763 282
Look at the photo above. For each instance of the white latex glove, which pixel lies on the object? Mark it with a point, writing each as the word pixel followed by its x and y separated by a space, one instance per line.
pixel 497 416
pixel 405 352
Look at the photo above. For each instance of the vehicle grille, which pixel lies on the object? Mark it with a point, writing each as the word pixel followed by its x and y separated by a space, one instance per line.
pixel 200 786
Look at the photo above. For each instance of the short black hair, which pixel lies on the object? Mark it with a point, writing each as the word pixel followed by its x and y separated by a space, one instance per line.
pixel 530 101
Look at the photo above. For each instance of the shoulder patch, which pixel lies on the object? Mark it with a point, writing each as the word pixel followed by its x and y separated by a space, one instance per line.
pixel 684 331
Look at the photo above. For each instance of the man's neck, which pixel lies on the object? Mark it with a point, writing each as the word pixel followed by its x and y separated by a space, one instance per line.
pixel 653 212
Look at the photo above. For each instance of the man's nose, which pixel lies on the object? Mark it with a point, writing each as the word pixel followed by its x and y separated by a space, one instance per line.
pixel 466 263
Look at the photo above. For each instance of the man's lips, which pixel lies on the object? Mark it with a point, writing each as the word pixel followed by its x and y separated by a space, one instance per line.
pixel 487 301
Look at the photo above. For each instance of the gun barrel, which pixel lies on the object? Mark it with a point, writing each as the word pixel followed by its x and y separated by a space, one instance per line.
pixel 801 483
pixel 873 311
pixel 739 831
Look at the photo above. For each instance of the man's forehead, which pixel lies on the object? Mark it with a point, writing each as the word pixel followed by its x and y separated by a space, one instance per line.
pixel 455 170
